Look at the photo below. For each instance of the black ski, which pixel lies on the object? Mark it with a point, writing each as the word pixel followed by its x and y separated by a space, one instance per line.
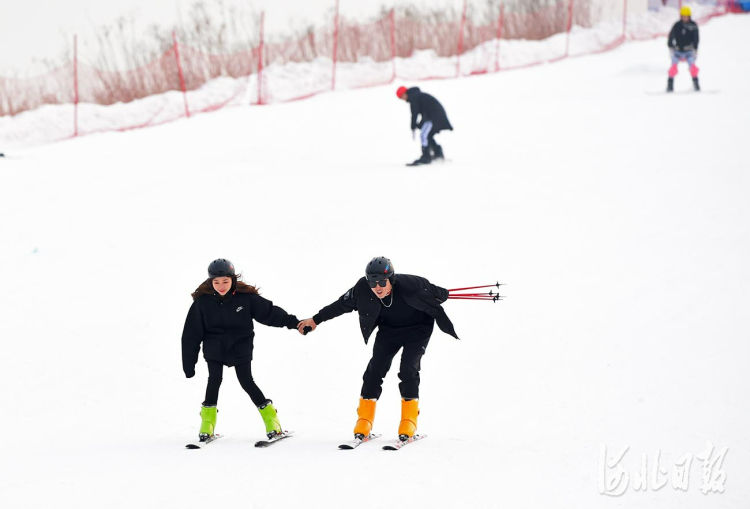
pixel 434 161
pixel 201 445
pixel 276 438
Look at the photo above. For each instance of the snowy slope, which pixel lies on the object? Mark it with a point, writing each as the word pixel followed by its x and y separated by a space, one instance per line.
pixel 618 219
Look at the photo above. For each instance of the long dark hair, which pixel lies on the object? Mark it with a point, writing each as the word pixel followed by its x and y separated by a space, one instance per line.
pixel 207 288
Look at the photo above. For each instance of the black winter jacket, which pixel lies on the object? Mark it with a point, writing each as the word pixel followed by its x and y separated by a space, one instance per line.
pixel 429 108
pixel 225 327
pixel 417 291
pixel 683 36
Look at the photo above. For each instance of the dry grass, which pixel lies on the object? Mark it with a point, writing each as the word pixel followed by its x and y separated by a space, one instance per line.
pixel 224 42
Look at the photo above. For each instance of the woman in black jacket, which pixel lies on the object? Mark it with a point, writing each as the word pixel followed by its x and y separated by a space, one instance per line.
pixel 221 318
pixel 404 308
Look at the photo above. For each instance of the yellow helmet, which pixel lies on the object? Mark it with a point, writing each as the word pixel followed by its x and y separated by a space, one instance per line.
pixel 685 11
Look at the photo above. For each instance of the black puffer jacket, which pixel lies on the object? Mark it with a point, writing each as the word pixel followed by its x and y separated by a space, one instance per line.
pixel 429 108
pixel 225 327
pixel 683 36
pixel 417 291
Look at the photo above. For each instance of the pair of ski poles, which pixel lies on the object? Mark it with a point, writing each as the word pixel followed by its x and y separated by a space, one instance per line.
pixel 490 295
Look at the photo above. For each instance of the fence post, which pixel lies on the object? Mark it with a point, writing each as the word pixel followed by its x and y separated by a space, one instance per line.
pixel 75 85
pixel 335 45
pixel 261 50
pixel 461 40
pixel 499 35
pixel 570 25
pixel 179 70
pixel 393 44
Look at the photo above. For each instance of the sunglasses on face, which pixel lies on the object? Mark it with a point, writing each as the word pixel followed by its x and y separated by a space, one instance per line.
pixel 380 283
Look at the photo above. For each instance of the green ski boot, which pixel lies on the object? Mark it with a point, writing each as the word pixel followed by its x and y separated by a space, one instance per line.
pixel 270 419
pixel 208 422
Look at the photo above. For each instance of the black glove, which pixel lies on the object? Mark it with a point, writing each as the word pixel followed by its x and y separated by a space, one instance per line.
pixel 190 374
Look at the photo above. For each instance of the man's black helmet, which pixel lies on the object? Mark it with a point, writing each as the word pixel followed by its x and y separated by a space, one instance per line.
pixel 378 269
pixel 221 268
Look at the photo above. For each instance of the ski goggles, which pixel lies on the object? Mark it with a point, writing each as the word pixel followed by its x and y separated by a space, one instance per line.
pixel 381 283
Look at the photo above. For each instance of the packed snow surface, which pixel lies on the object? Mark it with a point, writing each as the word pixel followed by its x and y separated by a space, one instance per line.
pixel 616 215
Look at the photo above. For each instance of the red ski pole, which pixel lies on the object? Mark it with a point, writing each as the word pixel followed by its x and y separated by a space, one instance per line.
pixel 473 287
pixel 456 297
pixel 490 293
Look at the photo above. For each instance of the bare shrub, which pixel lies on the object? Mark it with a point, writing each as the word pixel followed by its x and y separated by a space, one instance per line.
pixel 223 41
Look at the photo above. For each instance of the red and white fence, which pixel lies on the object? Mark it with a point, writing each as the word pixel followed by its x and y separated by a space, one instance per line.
pixel 400 44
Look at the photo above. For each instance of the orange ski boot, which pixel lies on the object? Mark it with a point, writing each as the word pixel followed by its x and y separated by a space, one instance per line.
pixel 366 415
pixel 409 413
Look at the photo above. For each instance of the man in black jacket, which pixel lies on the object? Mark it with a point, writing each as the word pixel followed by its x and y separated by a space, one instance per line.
pixel 432 120
pixel 683 45
pixel 404 308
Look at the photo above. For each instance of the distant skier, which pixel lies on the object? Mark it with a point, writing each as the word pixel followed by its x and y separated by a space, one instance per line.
pixel 221 317
pixel 432 120
pixel 404 308
pixel 683 45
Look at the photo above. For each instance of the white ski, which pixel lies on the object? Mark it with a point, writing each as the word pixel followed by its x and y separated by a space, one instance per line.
pixel 682 92
pixel 398 443
pixel 352 444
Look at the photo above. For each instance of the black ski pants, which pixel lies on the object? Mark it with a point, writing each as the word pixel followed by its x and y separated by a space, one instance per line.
pixel 244 375
pixel 383 352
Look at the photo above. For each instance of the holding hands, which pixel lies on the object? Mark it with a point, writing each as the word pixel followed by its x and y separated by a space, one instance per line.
pixel 307 325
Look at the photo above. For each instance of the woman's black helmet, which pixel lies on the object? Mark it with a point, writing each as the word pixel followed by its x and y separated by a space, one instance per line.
pixel 221 268
pixel 380 268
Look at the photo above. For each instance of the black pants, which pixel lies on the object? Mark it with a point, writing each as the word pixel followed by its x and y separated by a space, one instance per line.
pixel 244 375
pixel 383 352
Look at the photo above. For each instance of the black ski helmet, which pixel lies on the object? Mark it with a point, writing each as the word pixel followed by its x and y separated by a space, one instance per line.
pixel 221 267
pixel 378 269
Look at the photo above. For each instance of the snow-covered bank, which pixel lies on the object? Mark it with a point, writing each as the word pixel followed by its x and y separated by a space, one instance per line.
pixel 295 80
pixel 619 221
